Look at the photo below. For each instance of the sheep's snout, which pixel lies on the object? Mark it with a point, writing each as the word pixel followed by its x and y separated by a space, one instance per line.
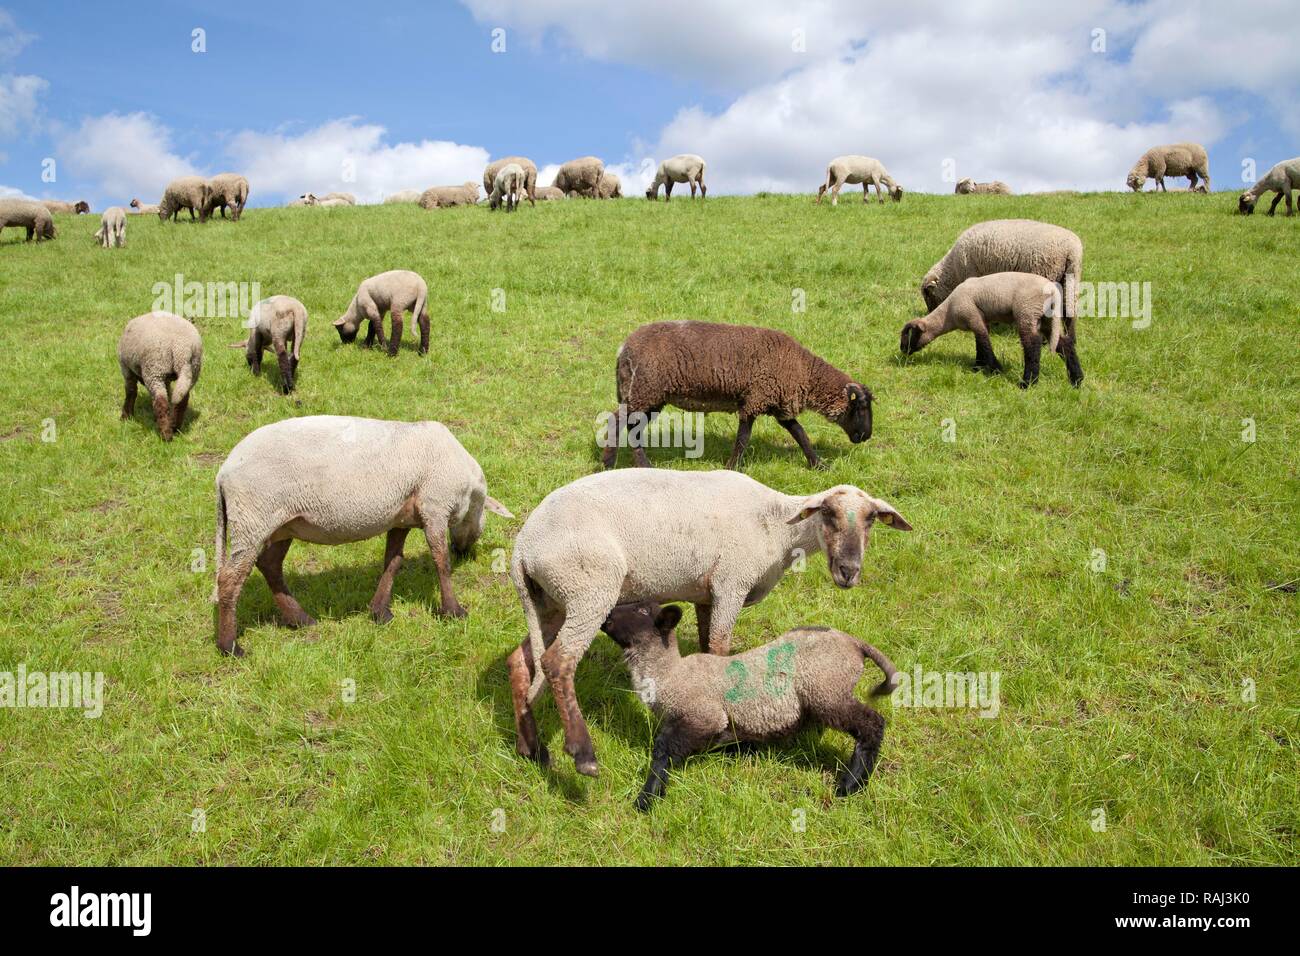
pixel 846 574
pixel 1245 206
pixel 910 340
pixel 345 333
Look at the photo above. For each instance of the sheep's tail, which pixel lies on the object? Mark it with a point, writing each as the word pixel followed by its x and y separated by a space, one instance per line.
pixel 300 331
pixel 890 682
pixel 530 597
pixel 1054 340
pixel 219 551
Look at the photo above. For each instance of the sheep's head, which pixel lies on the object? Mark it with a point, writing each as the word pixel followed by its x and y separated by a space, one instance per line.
pixel 965 186
pixel 81 206
pixel 643 624
pixel 1135 182
pixel 1246 203
pixel 652 193
pixel 914 337
pixel 845 515
pixel 856 417
pixel 347 326
pixel 930 291
pixel 308 199
pixel 896 193
pixel 135 204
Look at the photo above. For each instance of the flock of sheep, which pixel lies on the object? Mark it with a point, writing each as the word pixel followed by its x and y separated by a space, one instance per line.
pixel 602 552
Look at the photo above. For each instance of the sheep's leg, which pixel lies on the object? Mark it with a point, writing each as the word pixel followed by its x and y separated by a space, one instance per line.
pixel 523 670
pixel 703 191
pixel 1277 198
pixel 702 614
pixel 820 190
pixel 1289 210
pixel 985 360
pixel 379 604
pixel 613 434
pixel 560 662
pixel 835 193
pixel 692 184
pixel 128 403
pixel 673 744
pixel 271 563
pixel 283 359
pixel 1071 357
pixel 230 581
pixel 376 330
pixel 1031 340
pixel 742 440
pixel 637 444
pixel 396 339
pixel 162 408
pixel 436 534
pixel 668 191
pixel 423 321
pixel 799 435
pixel 722 618
pixel 181 397
pixel 868 730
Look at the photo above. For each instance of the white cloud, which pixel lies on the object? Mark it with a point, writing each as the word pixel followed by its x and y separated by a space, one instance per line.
pixel 346 155
pixel 9 192
pixel 19 101
pixel 12 39
pixel 125 155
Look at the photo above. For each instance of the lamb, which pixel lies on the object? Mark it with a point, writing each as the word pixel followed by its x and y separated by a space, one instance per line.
pixel 1029 301
pixel 806 676
pixel 393 292
pixel 444 197
pixel 139 209
pixel 186 192
pixel 969 187
pixel 280 324
pixel 510 182
pixel 611 187
pixel 858 169
pixel 227 190
pixel 718 539
pixel 1010 245
pixel 112 227
pixel 58 206
pixel 157 348
pixel 1179 159
pixel 1281 179
pixel 581 177
pixel 551 193
pixel 683 168
pixel 330 479
pixel 404 196
pixel 530 175
pixel 31 215
pixel 713 367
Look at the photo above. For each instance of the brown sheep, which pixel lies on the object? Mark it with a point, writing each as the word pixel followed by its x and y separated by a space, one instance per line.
pixel 713 367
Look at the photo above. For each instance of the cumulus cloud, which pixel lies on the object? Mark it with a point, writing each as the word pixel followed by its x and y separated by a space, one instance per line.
pixel 126 155
pixel 19 101
pixel 9 192
pixel 346 155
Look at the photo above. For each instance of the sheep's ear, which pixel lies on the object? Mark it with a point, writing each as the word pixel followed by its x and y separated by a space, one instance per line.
pixel 338 323
pixel 810 507
pixel 496 507
pixel 668 617
pixel 888 515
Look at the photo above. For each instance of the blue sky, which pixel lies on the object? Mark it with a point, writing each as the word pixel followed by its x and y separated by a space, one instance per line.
pixel 412 94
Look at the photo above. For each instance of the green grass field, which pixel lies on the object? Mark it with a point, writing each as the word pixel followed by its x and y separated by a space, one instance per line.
pixel 1121 689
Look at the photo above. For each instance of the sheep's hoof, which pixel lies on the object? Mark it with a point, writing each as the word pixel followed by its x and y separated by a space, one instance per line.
pixel 819 464
pixel 453 610
pixel 587 767
pixel 233 651
pixel 645 801
pixel 300 620
pixel 382 615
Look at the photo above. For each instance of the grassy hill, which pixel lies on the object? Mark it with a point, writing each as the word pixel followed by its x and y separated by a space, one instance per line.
pixel 1121 676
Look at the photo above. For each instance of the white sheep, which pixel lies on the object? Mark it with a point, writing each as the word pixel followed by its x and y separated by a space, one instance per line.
pixel 395 292
pixel 968 187
pixel 184 192
pixel 547 193
pixel 280 324
pixel 227 191
pixel 404 196
pixel 718 539
pixel 112 227
pixel 683 168
pixel 330 479
pixel 854 170
pixel 1178 159
pixel 139 208
pixel 1281 179
pixel 611 187
pixel 530 175
pixel 581 177
pixel 509 183
pixel 156 349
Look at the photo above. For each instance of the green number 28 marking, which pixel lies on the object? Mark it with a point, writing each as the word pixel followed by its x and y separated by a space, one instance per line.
pixel 740 689
pixel 780 669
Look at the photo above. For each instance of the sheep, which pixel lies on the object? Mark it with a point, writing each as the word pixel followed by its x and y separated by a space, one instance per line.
pixel 330 479
pixel 713 367
pixel 1025 299
pixel 112 227
pixel 530 175
pixel 444 197
pixel 404 196
pixel 581 177
pixel 1179 159
pixel 393 292
pixel 346 199
pixel 306 199
pixel 510 183
pixel 186 192
pixel 611 187
pixel 157 348
pixel 968 187
pixel 684 168
pixel 1281 179
pixel 807 676
pixel 1011 245
pixel 858 169
pixel 227 190
pixel 330 202
pixel 31 215
pixel 550 193
pixel 718 539
pixel 139 209
pixel 280 324
pixel 58 206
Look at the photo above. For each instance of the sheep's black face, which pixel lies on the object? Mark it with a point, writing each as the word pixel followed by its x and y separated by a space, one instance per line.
pixel 856 420
pixel 82 207
pixel 910 339
pixel 345 333
pixel 1245 205
pixel 630 625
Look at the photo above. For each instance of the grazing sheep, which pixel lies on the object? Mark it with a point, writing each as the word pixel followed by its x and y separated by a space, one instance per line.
pixel 714 367
pixel 581 177
pixel 1010 245
pixel 807 676
pixel 718 539
pixel 393 292
pixel 58 206
pixel 280 324
pixel 858 169
pixel 187 192
pixel 157 348
pixel 530 174
pixel 138 208
pixel 405 196
pixel 1179 159
pixel 227 190
pixel 968 187
pixel 611 187
pixel 1281 179
pixel 1029 301
pixel 551 193
pixel 330 479
pixel 510 182
pixel 684 168
pixel 112 227
pixel 444 197
pixel 31 215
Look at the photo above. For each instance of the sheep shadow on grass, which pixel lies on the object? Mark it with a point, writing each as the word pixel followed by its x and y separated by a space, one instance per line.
pixel 762 447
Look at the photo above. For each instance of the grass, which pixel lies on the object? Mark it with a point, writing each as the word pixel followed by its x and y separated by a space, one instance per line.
pixel 1121 689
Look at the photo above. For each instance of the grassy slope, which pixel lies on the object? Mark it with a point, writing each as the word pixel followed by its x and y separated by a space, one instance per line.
pixel 1119 690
